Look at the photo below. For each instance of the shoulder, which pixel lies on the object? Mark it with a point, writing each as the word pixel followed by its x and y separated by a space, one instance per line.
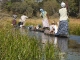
pixel 62 9
pixel 45 11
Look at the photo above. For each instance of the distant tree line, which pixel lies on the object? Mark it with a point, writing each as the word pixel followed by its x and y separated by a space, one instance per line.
pixel 31 8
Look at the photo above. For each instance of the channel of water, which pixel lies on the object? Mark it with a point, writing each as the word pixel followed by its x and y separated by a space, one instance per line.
pixel 68 46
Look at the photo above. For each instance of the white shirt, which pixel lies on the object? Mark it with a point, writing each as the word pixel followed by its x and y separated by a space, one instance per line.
pixel 63 14
pixel 54 27
pixel 51 27
pixel 23 18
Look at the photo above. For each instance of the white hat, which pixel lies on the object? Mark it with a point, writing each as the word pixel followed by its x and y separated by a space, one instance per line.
pixel 63 4
pixel 41 9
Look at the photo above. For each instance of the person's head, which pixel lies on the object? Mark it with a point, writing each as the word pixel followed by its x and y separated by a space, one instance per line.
pixel 63 4
pixel 41 10
pixel 53 23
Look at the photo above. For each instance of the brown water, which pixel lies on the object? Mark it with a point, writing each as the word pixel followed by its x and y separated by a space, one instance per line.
pixel 69 47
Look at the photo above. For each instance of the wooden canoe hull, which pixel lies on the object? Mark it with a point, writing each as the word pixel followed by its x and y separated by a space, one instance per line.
pixel 48 33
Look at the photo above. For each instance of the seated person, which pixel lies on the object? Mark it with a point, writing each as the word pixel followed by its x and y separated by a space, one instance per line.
pixel 53 28
pixel 20 23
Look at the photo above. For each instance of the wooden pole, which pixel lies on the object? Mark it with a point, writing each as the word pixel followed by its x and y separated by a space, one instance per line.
pixel 67 6
pixel 79 7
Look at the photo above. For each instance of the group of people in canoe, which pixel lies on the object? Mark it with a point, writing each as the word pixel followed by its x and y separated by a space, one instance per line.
pixel 21 22
pixel 60 28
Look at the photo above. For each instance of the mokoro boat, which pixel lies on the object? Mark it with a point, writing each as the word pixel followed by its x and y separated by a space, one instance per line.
pixel 52 34
pixel 46 32
pixel 39 30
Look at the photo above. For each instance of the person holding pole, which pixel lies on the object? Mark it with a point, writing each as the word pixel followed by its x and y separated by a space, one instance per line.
pixel 63 21
pixel 45 18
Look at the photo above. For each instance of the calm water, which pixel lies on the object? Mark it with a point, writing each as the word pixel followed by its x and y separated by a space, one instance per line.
pixel 69 47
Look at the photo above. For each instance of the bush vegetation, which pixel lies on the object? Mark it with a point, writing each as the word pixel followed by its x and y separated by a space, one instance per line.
pixel 32 8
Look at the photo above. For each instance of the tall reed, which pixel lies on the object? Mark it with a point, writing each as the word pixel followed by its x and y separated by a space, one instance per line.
pixel 74 27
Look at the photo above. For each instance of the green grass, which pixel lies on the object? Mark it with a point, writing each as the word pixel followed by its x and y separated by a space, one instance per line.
pixel 75 30
pixel 14 46
pixel 74 27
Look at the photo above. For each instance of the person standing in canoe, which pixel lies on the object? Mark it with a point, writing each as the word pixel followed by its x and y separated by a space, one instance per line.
pixel 45 18
pixel 63 21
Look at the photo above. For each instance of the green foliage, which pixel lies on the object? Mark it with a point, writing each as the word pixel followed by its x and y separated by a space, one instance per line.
pixel 19 7
pixel 73 7
pixel 75 29
pixel 15 1
pixel 51 7
pixel 7 6
pixel 29 11
pixel 32 8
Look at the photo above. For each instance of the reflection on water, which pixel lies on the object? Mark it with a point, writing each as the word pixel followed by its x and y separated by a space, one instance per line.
pixel 69 47
pixel 63 46
pixel 22 31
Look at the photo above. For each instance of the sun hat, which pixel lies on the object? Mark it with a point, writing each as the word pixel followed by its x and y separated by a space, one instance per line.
pixel 63 4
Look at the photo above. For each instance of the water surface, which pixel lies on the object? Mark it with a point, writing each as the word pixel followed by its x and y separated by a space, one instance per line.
pixel 69 47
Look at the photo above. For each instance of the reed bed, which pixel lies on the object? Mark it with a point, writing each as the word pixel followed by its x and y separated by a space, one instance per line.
pixel 74 26
pixel 14 46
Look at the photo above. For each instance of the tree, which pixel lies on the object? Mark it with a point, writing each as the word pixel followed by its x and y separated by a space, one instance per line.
pixel 15 1
pixel 78 6
pixel 73 8
pixel 51 6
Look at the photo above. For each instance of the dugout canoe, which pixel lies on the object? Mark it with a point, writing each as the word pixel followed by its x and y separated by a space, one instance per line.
pixel 46 32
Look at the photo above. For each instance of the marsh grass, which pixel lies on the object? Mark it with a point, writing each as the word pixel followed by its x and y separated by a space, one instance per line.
pixel 74 26
pixel 14 46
